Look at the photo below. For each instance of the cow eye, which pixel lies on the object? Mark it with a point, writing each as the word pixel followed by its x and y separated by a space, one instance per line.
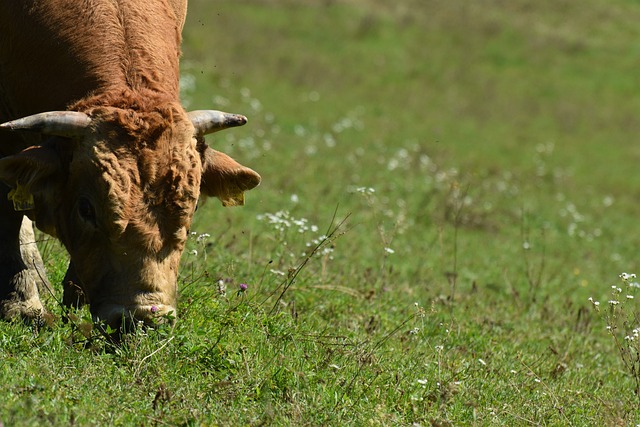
pixel 86 210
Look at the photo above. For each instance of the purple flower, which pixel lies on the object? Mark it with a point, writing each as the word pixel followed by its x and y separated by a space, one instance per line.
pixel 154 309
pixel 243 287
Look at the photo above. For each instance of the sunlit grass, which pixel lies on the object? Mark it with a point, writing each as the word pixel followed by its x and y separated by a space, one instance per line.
pixel 445 185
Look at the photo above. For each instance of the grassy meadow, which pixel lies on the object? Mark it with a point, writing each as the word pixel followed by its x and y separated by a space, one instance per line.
pixel 445 185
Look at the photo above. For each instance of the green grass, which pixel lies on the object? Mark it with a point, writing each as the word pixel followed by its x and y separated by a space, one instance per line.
pixel 501 142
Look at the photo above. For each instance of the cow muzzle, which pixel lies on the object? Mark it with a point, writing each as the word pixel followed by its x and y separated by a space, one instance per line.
pixel 123 319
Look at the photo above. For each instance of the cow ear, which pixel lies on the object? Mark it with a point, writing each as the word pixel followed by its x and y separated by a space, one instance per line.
pixel 32 171
pixel 226 179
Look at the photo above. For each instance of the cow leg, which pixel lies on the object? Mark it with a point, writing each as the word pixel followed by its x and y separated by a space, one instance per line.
pixel 73 295
pixel 19 297
pixel 31 255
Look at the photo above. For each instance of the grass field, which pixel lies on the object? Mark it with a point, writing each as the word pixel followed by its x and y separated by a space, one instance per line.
pixel 445 185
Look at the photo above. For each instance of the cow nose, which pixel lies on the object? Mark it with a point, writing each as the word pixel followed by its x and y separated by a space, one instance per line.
pixel 125 319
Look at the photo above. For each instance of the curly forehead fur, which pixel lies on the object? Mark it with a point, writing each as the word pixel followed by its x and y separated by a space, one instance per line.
pixel 152 170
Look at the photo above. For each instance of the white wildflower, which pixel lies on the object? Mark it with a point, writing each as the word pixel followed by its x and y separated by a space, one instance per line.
pixel 607 201
pixel 365 190
pixel 202 237
pixel 627 276
pixel 222 288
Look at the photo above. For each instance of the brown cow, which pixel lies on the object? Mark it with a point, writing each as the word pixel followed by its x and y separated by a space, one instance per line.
pixel 99 152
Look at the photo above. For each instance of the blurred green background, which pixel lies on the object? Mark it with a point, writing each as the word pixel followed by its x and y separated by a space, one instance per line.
pixel 508 114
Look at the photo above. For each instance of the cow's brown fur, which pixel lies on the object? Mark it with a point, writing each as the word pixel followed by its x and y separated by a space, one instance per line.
pixel 109 48
pixel 140 168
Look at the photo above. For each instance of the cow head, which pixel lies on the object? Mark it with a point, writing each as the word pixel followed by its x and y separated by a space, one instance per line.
pixel 119 189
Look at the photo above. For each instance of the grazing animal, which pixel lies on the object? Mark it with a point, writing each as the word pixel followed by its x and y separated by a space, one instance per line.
pixel 97 150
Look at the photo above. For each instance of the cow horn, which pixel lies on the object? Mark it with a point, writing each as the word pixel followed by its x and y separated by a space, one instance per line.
pixel 60 123
pixel 209 121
